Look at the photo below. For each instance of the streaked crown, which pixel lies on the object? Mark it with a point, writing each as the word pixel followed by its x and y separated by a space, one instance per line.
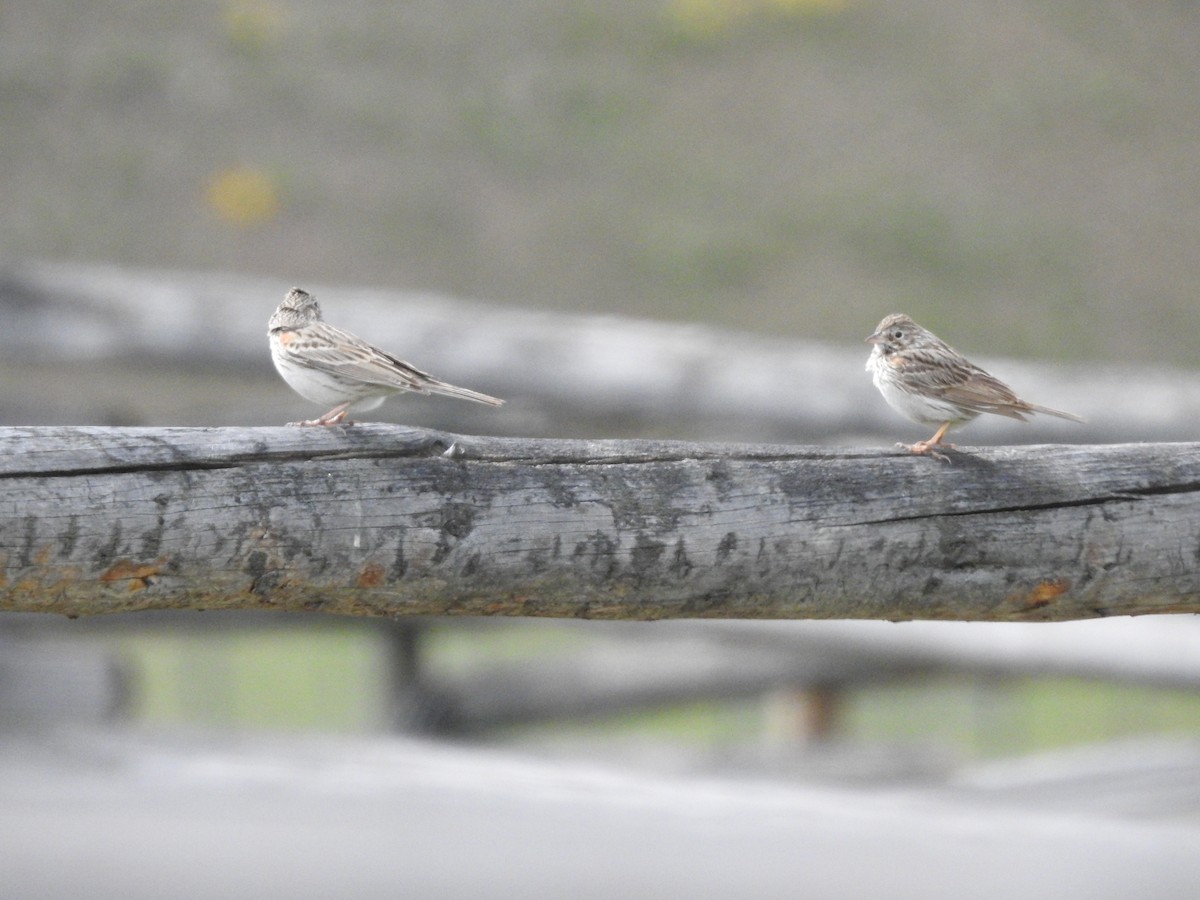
pixel 896 332
pixel 297 309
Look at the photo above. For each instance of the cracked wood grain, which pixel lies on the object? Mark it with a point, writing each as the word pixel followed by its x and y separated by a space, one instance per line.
pixel 385 520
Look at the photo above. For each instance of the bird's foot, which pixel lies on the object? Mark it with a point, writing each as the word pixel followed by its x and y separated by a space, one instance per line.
pixel 336 416
pixel 926 448
pixel 339 419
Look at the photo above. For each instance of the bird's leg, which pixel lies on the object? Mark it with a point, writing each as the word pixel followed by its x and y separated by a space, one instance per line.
pixel 925 448
pixel 336 416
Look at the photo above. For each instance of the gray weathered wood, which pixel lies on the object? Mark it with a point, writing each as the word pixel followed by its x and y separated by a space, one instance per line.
pixel 1158 651
pixel 381 520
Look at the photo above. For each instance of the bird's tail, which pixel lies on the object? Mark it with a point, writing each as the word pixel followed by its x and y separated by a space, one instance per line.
pixel 1047 411
pixel 434 386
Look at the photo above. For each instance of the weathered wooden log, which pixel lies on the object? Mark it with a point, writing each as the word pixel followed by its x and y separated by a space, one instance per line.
pixel 383 520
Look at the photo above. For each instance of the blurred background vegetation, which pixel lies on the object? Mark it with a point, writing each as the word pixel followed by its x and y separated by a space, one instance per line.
pixel 332 680
pixel 1022 177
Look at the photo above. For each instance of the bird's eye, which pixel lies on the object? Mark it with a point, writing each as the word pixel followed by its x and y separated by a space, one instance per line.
pixel 897 334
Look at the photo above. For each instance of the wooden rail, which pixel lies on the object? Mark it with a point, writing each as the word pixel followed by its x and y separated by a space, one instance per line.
pixel 392 521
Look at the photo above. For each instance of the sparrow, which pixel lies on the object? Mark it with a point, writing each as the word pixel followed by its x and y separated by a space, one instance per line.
pixel 328 365
pixel 924 378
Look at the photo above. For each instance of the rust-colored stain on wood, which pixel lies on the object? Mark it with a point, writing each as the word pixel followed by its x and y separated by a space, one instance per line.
pixel 137 574
pixel 511 606
pixel 371 576
pixel 1045 593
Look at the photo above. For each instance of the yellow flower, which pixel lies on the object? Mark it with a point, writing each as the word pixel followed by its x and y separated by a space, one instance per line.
pixel 243 196
pixel 254 24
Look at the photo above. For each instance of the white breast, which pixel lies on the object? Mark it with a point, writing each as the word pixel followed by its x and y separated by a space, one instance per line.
pixel 321 387
pixel 923 410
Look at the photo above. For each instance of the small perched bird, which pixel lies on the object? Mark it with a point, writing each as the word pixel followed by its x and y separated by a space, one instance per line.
pixel 927 380
pixel 325 364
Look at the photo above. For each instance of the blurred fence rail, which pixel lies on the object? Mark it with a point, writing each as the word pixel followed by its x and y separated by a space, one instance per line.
pixel 97 345
pixel 678 662
pixel 611 668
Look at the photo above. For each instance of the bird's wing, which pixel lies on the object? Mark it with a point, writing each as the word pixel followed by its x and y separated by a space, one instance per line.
pixel 346 355
pixel 959 381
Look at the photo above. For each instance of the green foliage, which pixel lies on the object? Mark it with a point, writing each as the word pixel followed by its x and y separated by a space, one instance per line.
pixel 997 718
pixel 324 679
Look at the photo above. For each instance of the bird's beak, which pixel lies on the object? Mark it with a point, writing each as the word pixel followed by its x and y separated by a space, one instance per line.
pixel 876 338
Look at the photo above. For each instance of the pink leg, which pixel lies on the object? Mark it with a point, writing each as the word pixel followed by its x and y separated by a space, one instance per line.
pixel 336 416
pixel 926 448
